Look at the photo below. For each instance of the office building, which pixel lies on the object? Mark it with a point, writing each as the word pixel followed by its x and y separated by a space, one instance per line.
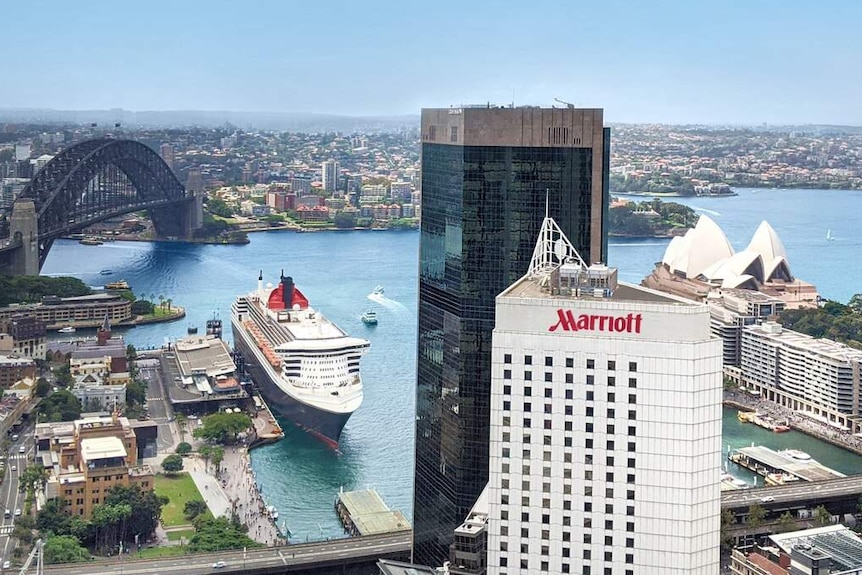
pixel 166 151
pixel 487 175
pixel 330 175
pixel 816 376
pixel 605 425
pixel 829 550
pixel 87 457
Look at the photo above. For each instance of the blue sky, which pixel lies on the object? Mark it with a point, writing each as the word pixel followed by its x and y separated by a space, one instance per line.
pixel 680 61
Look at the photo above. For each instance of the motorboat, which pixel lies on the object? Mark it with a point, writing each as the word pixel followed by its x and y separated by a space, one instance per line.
pixel 369 317
pixel 67 329
pixel 378 290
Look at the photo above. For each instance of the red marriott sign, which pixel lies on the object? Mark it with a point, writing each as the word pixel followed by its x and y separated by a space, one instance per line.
pixel 568 321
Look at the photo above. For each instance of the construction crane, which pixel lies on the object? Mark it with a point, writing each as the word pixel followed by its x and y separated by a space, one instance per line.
pixel 568 105
pixel 40 564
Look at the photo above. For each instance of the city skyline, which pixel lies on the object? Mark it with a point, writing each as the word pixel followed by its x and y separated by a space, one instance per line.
pixel 668 62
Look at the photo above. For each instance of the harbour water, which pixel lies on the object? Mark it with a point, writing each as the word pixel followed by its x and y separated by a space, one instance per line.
pixel 338 271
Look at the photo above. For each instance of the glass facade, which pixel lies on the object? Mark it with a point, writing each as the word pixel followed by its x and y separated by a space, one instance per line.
pixel 482 208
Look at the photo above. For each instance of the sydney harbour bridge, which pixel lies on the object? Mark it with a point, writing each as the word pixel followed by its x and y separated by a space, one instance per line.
pixel 89 182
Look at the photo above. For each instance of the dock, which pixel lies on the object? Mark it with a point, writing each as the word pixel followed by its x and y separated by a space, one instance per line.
pixel 266 427
pixel 365 513
pixel 781 467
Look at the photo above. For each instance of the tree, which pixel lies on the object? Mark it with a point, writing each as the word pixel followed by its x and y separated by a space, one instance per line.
pixel 60 406
pixel 181 424
pixel 855 303
pixel 32 478
pixel 756 515
pixel 53 518
pixel 42 387
pixel 218 534
pixel 822 516
pixel 727 522
pixel 217 457
pixel 172 464
pixel 184 448
pixel 64 549
pixel 168 302
pixel 222 427
pixel 787 522
pixel 146 509
pixel 64 375
pixel 194 508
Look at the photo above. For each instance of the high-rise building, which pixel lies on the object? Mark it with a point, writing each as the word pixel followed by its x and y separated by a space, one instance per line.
pixel 330 175
pixel 166 151
pixel 487 176
pixel 605 425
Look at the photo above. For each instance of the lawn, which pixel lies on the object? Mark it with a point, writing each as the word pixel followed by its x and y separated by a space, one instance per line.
pixel 176 535
pixel 156 552
pixel 179 489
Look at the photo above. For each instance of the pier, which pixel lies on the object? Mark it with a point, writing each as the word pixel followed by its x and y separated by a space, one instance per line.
pixel 365 513
pixel 780 467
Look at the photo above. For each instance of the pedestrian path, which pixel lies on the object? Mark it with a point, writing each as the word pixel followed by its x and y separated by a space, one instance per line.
pixel 209 488
pixel 6 529
pixel 243 492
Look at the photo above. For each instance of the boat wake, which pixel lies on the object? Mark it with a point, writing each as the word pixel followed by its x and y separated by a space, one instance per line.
pixel 387 303
pixel 706 211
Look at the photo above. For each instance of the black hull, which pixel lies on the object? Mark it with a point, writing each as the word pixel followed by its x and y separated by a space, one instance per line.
pixel 324 425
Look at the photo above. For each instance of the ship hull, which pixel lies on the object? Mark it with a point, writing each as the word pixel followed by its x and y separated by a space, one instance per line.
pixel 322 424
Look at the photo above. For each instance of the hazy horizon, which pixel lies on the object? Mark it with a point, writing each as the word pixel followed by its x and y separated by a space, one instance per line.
pixel 731 62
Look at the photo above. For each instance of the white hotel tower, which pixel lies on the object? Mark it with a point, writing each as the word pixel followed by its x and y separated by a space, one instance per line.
pixel 605 445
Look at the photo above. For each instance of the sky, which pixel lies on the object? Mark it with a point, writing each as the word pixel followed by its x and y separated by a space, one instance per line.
pixel 644 61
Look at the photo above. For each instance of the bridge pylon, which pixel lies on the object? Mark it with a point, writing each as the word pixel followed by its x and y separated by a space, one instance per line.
pixel 24 230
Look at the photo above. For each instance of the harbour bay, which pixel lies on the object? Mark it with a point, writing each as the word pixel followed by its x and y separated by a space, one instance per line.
pixel 338 270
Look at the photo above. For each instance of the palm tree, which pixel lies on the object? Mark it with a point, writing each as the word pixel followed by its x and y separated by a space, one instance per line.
pixel 169 301
pixel 161 301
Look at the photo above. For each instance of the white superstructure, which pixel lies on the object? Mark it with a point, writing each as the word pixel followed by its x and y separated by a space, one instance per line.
pixel 605 425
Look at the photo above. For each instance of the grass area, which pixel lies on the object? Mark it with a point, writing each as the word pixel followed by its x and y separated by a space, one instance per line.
pixel 175 535
pixel 156 552
pixel 179 489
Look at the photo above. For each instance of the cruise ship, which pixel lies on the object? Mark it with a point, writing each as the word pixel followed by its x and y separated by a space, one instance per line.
pixel 306 367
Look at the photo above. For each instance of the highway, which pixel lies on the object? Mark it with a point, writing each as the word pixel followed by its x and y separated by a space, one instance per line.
pixel 9 494
pixel 796 492
pixel 271 560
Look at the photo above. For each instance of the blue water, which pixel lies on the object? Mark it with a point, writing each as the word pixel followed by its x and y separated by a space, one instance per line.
pixel 337 271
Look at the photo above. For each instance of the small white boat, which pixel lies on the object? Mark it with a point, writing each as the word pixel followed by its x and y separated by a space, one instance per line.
pixel 378 290
pixel 369 317
pixel 829 236
pixel 67 329
pixel 273 512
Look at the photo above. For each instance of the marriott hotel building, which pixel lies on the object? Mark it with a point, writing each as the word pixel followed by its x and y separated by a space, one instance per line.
pixel 605 442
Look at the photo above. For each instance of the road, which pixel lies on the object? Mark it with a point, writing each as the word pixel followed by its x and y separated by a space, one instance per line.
pixel 292 555
pixel 12 499
pixel 791 493
pixel 158 404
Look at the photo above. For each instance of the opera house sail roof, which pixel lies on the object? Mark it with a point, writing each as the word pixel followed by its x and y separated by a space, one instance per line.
pixel 703 260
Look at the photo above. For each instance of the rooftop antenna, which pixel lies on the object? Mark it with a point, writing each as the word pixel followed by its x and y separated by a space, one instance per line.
pixel 513 97
pixel 568 104
pixel 547 192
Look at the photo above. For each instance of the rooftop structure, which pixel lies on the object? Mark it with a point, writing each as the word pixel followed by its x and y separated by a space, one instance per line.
pixel 830 550
pixel 703 260
pixel 365 513
pixel 468 554
pixel 204 370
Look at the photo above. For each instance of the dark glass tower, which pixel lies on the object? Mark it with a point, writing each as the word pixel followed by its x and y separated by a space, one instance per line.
pixel 486 173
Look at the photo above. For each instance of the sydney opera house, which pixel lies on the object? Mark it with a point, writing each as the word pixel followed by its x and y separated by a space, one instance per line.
pixel 702 262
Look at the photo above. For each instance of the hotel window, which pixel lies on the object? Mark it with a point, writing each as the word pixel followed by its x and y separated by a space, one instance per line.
pixel 630 511
pixel 548 377
pixel 633 382
pixel 632 431
pixel 568 410
pixel 630 494
pixel 588 427
pixel 632 414
pixel 528 407
pixel 609 508
pixel 525 516
pixel 609 540
pixel 528 376
pixel 632 398
pixel 544 566
pixel 566 566
pixel 612 381
pixel 633 366
pixel 631 447
pixel 525 501
pixel 591 380
pixel 609 460
pixel 610 445
pixel 609 477
pixel 630 478
pixel 504 515
pixel 630 526
pixel 588 522
pixel 504 562
pixel 590 396
pixel 525 485
pixel 612 365
pixel 507 374
pixel 569 393
pixel 611 428
pixel 609 492
pixel 570 362
pixel 549 361
pixel 589 411
pixel 507 405
pixel 609 524
pixel 528 391
pixel 525 532
pixel 588 507
pixel 569 379
pixel 546 440
pixel 528 360
pixel 525 548
pixel 527 422
pixel 591 364
pixel 631 463
pixel 630 542
pixel 504 499
pixel 507 421
pixel 549 393
pixel 611 413
pixel 507 358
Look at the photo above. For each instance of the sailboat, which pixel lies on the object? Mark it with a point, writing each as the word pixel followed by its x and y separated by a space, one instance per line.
pixel 829 236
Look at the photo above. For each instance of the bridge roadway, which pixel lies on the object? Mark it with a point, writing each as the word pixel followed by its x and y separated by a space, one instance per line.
pixel 330 555
pixel 798 492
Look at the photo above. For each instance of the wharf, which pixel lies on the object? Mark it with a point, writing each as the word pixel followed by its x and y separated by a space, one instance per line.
pixel 365 513
pixel 780 467
pixel 266 427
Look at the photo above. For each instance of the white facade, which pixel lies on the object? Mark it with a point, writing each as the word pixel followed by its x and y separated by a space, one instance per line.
pixel 329 175
pixel 605 444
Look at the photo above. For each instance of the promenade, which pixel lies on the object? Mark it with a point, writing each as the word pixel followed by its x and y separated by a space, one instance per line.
pixel 242 492
pixel 798 421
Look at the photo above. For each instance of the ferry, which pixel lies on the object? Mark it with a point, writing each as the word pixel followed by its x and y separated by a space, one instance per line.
pixel 369 317
pixel 306 367
pixel 67 329
pixel 122 284
pixel 763 421
pixel 90 242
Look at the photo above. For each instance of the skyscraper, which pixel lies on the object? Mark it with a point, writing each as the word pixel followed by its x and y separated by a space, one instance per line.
pixel 605 425
pixel 166 151
pixel 486 175
pixel 330 175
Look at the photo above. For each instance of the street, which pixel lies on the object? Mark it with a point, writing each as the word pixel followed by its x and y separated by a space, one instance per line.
pixel 12 499
pixel 158 403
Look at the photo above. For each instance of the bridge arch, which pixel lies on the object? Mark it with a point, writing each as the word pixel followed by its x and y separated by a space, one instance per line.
pixel 106 177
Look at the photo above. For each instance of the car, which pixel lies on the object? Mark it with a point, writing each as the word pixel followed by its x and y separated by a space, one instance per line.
pixel 767 499
pixel 8 513
pixel 219 564
pixel 22 449
pixel 7 565
pixel 17 513
pixel 14 468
